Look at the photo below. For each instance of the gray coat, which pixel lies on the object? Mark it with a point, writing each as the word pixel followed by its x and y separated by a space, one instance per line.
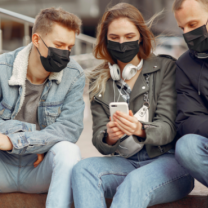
pixel 161 130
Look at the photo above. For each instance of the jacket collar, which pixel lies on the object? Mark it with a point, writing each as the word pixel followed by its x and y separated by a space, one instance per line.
pixel 20 68
pixel 140 87
pixel 151 65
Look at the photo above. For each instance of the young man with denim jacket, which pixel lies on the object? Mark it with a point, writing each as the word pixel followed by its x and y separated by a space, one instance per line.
pixel 41 110
pixel 192 89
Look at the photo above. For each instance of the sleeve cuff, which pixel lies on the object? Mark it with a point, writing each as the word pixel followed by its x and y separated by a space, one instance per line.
pixel 19 143
pixel 105 148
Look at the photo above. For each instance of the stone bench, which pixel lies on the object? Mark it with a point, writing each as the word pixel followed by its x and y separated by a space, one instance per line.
pixel 197 199
pixel 19 200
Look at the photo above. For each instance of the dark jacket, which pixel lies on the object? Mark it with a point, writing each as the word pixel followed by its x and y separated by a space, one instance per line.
pixel 162 95
pixel 192 91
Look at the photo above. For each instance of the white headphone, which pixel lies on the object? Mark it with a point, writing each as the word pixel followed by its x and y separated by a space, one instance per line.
pixel 128 72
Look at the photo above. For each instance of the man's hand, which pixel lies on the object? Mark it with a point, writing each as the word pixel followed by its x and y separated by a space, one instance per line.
pixel 5 143
pixel 39 160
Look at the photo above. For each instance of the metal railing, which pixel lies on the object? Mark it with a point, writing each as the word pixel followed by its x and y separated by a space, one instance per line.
pixel 84 44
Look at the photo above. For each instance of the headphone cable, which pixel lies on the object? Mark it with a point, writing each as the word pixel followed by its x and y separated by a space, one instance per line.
pixel 121 89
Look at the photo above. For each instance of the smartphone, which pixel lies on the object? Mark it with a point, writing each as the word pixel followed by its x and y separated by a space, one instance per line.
pixel 118 106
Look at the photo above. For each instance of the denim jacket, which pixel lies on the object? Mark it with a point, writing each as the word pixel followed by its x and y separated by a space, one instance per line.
pixel 60 110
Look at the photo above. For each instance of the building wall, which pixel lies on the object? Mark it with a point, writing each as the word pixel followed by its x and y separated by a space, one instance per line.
pixel 166 23
pixel 91 11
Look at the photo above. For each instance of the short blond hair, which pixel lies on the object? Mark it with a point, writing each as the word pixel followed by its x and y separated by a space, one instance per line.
pixel 47 17
pixel 178 3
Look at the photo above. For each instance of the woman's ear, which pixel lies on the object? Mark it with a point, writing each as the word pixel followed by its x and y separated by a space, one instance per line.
pixel 35 39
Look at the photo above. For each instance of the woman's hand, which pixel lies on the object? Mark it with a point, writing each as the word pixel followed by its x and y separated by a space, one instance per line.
pixel 39 160
pixel 128 124
pixel 114 133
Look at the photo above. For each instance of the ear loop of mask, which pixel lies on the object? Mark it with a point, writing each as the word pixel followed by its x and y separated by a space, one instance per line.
pixel 44 44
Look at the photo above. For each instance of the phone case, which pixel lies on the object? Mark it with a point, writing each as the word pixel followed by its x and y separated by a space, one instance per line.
pixel 118 106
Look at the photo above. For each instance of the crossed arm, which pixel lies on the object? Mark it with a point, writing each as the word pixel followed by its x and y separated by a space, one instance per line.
pixel 6 145
pixel 22 138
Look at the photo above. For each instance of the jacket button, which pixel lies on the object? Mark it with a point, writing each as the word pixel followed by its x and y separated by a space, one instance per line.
pixel 99 95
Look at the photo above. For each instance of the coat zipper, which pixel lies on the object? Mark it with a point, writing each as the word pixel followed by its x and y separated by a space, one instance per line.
pixel 100 102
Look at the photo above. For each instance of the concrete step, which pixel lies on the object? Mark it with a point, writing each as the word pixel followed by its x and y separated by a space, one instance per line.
pixel 21 200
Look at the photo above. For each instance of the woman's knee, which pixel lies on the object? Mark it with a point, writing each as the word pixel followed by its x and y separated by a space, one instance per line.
pixel 82 169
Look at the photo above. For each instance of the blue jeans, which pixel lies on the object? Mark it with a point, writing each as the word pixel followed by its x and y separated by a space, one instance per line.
pixel 53 174
pixel 137 182
pixel 192 154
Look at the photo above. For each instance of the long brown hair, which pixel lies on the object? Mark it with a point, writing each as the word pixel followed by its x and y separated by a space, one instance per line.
pixel 99 76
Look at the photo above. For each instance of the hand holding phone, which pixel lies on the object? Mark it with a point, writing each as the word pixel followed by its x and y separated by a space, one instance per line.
pixel 118 106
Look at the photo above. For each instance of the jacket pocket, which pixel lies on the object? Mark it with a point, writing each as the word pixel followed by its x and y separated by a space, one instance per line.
pixel 52 113
pixel 5 112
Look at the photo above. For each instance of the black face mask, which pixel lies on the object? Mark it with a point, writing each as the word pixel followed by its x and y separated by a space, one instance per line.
pixel 123 52
pixel 56 60
pixel 197 40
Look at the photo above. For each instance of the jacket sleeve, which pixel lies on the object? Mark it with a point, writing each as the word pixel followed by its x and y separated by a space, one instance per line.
pixel 100 120
pixel 161 130
pixel 68 125
pixel 192 115
pixel 15 126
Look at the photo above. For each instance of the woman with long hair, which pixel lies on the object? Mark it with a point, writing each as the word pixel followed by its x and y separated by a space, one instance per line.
pixel 141 169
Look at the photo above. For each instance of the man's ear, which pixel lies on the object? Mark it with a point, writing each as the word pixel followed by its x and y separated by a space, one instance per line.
pixel 35 39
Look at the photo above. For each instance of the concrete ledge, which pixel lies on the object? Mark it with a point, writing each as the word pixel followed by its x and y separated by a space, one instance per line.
pixel 198 198
pixel 21 200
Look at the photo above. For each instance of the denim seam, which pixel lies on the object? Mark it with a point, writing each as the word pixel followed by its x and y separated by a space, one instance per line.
pixel 18 177
pixel 76 69
pixel 75 80
pixel 163 184
pixel 3 63
pixel 109 173
pixel 100 181
pixel 53 173
pixel 18 165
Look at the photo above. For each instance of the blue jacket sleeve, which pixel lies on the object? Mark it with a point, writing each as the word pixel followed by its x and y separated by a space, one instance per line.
pixel 15 126
pixel 192 114
pixel 68 125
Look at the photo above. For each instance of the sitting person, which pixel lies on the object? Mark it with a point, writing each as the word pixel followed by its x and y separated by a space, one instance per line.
pixel 191 86
pixel 148 174
pixel 41 110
